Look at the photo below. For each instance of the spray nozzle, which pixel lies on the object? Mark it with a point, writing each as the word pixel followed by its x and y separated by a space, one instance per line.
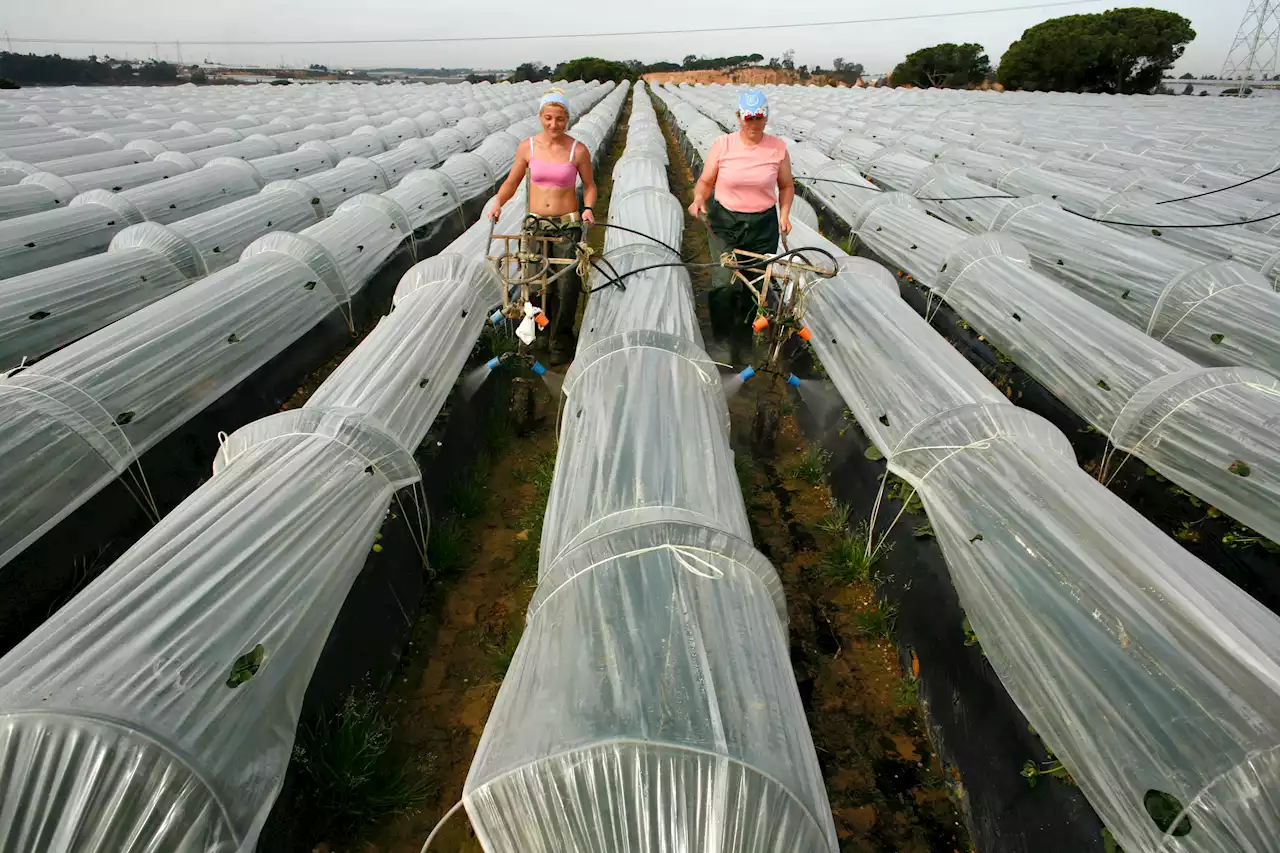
pixel 538 368
pixel 494 363
pixel 793 381
pixel 747 373
pixel 761 323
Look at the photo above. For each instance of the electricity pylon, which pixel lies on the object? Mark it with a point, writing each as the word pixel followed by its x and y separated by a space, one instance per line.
pixel 1253 54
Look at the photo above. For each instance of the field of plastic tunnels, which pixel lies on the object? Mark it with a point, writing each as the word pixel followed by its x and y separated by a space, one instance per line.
pixel 989 566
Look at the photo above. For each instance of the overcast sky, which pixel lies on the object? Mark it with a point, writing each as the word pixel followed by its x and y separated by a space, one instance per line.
pixel 878 46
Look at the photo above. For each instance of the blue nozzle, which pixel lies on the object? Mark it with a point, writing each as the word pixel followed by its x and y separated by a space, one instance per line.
pixel 747 373
pixel 496 317
pixel 538 368
pixel 494 362
pixel 793 381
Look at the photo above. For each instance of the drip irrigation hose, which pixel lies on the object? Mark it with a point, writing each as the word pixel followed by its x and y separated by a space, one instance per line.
pixel 878 190
pixel 617 278
pixel 1220 189
pixel 666 246
pixel 1069 210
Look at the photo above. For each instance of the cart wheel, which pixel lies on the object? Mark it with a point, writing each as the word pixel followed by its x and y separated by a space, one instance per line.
pixel 764 430
pixel 522 405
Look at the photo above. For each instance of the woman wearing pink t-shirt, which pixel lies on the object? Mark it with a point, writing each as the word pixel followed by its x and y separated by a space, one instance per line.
pixel 747 179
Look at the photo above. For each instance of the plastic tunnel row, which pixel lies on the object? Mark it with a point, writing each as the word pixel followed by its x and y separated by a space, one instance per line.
pixel 650 704
pixel 1212 431
pixel 47 308
pixel 125 127
pixel 78 419
pixel 1148 674
pixel 157 710
pixel 83 212
pixel 1188 297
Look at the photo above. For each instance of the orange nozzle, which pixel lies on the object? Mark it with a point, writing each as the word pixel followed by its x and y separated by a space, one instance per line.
pixel 804 333
pixel 761 323
pixel 541 319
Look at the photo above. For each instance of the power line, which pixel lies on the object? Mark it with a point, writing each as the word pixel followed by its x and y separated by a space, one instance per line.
pixel 439 40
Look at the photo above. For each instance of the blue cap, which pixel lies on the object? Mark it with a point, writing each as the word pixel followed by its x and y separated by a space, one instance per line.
pixel 793 381
pixel 538 368
pixel 747 373
pixel 752 101
pixel 494 362
pixel 497 317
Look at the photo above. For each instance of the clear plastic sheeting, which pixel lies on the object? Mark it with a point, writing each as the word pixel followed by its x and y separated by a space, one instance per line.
pixel 41 315
pixel 1156 287
pixel 646 566
pixel 1201 428
pixel 220 612
pixel 198 770
pixel 1145 670
pixel 169 361
pixel 1255 250
pixel 66 238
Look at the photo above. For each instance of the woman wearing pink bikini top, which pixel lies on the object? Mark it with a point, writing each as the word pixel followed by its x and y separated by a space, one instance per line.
pixel 554 161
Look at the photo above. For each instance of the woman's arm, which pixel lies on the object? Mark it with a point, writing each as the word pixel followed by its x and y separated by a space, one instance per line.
pixel 512 183
pixel 707 181
pixel 786 194
pixel 588 184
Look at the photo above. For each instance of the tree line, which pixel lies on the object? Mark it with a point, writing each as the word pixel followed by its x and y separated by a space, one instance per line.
pixel 1120 51
pixel 31 69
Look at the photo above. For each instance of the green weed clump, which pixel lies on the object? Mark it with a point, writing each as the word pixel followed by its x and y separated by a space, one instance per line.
pixel 502 653
pixel 850 560
pixel 349 778
pixel 447 549
pixel 540 474
pixel 905 692
pixel 877 624
pixel 811 468
pixel 836 520
pixel 468 497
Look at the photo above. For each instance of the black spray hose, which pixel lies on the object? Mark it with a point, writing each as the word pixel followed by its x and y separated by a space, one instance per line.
pixel 1069 210
pixel 1220 189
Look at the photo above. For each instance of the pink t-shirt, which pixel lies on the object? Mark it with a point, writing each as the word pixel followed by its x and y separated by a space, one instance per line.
pixel 748 177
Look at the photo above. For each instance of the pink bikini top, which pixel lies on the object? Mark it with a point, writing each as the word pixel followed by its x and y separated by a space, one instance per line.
pixel 560 176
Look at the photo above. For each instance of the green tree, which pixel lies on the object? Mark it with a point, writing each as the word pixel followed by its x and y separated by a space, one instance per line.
pixel 6 83
pixel 594 68
pixel 1187 76
pixel 1121 51
pixel 199 77
pixel 157 72
pixel 531 72
pixel 950 66
pixel 847 72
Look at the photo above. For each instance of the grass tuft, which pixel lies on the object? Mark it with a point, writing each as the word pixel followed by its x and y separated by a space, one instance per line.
pixel 447 549
pixel 811 468
pixel 349 777
pixel 905 692
pixel 848 561
pixel 878 623
pixel 836 521
pixel 468 497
